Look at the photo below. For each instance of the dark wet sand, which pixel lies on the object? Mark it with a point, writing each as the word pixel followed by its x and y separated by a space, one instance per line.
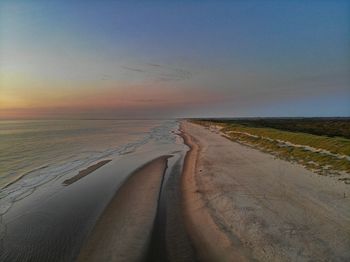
pixel 124 230
pixel 42 228
pixel 85 172
pixel 139 218
pixel 170 240
pixel 144 220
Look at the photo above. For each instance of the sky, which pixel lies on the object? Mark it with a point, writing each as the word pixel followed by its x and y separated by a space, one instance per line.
pixel 165 59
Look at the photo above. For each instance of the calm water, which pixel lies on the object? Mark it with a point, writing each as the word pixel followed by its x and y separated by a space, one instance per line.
pixel 33 153
pixel 41 219
pixel 43 149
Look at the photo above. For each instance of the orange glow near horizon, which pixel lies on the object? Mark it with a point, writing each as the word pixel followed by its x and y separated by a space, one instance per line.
pixel 25 96
pixel 132 60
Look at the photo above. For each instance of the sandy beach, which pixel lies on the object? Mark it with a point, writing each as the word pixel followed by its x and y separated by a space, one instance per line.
pixel 243 205
pixel 230 203
pixel 215 200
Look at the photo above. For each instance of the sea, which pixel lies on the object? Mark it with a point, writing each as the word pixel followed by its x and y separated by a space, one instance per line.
pixel 50 148
pixel 41 218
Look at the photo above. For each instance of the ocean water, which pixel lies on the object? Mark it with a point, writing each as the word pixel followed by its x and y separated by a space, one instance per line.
pixel 41 219
pixel 44 149
pixel 35 152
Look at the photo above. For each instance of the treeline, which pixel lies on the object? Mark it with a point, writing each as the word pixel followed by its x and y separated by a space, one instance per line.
pixel 317 126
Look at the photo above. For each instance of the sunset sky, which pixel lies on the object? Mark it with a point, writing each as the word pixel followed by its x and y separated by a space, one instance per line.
pixel 159 59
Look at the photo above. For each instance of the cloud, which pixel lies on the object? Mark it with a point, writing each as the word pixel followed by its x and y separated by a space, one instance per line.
pixel 155 65
pixel 105 77
pixel 149 100
pixel 160 73
pixel 133 69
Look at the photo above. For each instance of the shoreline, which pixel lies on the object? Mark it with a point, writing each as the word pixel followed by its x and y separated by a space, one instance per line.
pixel 210 241
pixel 53 221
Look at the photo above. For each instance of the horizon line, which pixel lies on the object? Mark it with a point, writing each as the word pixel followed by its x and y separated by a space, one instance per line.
pixel 175 118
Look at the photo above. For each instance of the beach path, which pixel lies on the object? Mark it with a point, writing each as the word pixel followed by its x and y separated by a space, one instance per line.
pixel 245 205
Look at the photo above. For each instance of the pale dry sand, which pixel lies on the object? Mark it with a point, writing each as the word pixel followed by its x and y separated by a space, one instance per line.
pixel 243 205
pixel 124 230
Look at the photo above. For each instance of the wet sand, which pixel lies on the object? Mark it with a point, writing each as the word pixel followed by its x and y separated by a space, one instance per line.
pixel 124 230
pixel 115 211
pixel 143 221
pixel 241 204
pixel 41 228
pixel 53 221
pixel 85 172
pixel 170 240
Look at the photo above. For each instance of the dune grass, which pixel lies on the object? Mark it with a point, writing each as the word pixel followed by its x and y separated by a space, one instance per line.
pixel 336 145
pixel 321 126
pixel 322 154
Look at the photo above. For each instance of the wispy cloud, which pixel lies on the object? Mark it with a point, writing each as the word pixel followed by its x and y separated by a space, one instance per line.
pixel 156 65
pixel 133 69
pixel 160 73
pixel 105 77
pixel 149 100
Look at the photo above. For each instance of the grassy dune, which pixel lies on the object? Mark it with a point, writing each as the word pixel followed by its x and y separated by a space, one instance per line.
pixel 336 145
pixel 321 126
pixel 321 153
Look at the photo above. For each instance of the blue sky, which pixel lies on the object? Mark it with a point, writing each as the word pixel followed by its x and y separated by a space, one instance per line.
pixel 174 58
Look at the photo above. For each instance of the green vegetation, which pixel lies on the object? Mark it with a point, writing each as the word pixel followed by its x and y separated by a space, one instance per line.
pixel 323 154
pixel 332 127
pixel 336 145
